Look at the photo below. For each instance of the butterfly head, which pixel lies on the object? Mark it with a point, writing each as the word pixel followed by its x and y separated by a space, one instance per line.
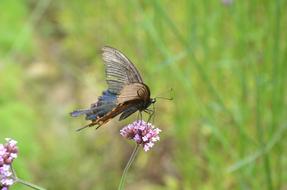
pixel 153 100
pixel 148 103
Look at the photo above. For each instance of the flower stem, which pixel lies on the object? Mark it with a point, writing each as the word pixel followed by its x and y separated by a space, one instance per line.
pixel 28 184
pixel 132 158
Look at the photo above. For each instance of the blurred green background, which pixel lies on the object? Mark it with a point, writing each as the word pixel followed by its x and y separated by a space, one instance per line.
pixel 226 61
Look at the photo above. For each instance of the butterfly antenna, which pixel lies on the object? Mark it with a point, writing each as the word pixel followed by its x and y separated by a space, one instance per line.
pixel 169 98
pixel 153 113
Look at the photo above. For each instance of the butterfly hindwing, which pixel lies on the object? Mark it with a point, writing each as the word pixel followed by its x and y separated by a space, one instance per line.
pixel 129 111
pixel 105 104
pixel 104 119
pixel 127 102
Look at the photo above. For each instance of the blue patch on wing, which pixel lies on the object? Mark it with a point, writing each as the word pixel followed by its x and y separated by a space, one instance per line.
pixel 77 113
pixel 105 104
pixel 107 98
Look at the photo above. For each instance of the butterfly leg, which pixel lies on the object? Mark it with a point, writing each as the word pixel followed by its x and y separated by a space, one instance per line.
pixel 151 114
pixel 139 117
pixel 153 108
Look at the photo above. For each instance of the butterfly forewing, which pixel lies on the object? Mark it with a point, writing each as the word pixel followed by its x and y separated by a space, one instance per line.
pixel 120 71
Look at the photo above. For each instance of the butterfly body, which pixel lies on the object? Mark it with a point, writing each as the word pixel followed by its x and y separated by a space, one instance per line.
pixel 126 91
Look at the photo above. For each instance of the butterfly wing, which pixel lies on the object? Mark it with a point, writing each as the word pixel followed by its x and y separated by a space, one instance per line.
pixel 127 112
pixel 106 103
pixel 132 92
pixel 120 71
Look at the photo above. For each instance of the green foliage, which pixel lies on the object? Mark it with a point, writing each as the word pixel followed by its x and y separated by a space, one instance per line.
pixel 225 128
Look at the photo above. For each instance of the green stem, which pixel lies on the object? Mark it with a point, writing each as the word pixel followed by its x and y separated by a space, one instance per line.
pixel 28 184
pixel 260 135
pixel 132 158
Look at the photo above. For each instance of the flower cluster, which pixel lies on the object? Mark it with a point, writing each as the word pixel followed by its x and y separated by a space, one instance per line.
pixel 142 133
pixel 8 152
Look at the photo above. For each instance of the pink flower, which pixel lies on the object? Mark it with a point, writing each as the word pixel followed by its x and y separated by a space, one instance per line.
pixel 142 133
pixel 8 152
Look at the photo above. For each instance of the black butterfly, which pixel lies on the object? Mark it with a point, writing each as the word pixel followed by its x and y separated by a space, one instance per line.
pixel 126 91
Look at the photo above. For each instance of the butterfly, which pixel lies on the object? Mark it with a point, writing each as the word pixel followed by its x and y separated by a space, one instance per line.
pixel 126 93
